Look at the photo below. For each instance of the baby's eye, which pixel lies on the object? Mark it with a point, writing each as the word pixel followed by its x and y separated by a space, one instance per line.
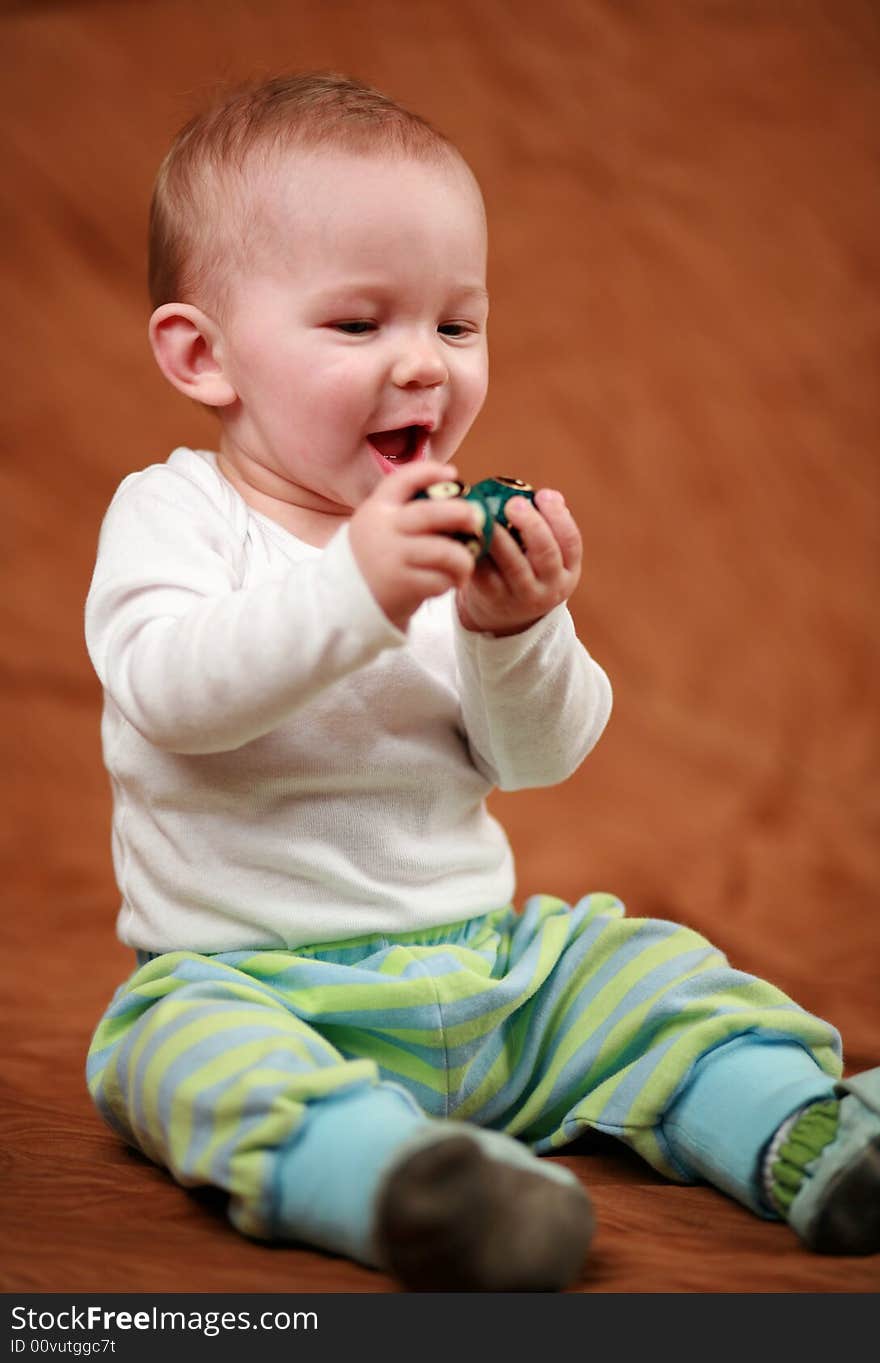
pixel 455 329
pixel 354 328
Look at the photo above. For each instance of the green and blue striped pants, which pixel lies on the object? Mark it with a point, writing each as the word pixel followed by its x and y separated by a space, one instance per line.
pixel 542 1025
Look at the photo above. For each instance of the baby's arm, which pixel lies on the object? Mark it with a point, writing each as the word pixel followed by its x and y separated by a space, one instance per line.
pixel 198 663
pixel 534 702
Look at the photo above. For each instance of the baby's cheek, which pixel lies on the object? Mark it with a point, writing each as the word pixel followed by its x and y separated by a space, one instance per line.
pixel 477 388
pixel 343 391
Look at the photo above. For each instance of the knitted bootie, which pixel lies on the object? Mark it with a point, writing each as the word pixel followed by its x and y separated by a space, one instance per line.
pixel 831 1198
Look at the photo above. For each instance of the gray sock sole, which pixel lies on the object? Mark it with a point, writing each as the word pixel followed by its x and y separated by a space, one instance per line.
pixel 452 1219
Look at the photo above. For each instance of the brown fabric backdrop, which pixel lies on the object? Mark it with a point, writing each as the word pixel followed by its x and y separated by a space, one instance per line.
pixel 684 206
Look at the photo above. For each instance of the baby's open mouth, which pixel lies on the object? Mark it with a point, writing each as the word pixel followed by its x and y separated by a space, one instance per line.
pixel 401 445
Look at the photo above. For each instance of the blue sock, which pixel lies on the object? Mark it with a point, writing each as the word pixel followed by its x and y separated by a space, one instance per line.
pixel 731 1106
pixel 326 1179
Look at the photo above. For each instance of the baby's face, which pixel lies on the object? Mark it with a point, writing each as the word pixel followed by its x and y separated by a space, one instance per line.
pixel 356 339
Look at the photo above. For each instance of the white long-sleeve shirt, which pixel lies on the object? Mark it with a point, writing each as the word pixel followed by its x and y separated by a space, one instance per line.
pixel 287 766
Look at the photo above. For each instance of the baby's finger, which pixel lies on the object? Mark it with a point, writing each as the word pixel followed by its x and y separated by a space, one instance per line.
pixel 514 566
pixel 564 526
pixel 544 554
pixel 405 482
pixel 444 516
pixel 440 554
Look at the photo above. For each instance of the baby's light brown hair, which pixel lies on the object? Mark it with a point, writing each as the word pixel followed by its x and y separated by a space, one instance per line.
pixel 202 214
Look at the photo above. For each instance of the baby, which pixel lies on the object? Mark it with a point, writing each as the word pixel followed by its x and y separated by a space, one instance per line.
pixel 310 688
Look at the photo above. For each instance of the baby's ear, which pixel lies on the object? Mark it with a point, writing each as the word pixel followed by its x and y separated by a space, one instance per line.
pixel 185 343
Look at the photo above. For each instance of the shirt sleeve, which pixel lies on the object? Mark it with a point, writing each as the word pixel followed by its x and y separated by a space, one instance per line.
pixel 196 662
pixel 533 704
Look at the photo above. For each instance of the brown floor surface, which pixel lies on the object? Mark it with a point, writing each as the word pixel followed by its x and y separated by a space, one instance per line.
pixel 686 314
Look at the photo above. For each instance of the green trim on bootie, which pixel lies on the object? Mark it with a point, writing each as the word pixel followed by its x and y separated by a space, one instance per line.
pixel 812 1130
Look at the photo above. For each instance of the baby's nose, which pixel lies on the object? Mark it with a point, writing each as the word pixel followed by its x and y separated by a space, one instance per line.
pixel 419 363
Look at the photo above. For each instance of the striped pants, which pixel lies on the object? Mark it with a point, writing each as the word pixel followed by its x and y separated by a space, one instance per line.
pixel 541 1025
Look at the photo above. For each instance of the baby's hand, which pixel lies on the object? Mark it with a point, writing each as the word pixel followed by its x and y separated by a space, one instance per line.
pixel 403 547
pixel 512 590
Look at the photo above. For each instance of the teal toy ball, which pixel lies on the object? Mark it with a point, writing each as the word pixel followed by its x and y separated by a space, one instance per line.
pixel 491 495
